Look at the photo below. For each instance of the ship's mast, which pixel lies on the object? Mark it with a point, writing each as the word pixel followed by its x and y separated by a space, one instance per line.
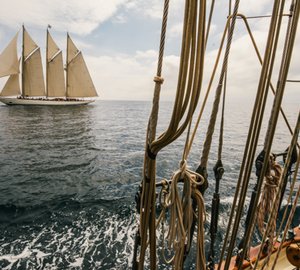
pixel 23 61
pixel 47 61
pixel 67 66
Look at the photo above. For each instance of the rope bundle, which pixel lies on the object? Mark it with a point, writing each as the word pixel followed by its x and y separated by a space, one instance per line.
pixel 267 199
pixel 181 215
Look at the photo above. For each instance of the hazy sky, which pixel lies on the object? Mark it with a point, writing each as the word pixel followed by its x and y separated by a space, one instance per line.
pixel 119 40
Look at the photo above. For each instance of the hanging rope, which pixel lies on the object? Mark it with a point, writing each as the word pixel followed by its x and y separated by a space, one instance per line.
pixel 213 116
pixel 187 95
pixel 267 198
pixel 147 197
pixel 181 215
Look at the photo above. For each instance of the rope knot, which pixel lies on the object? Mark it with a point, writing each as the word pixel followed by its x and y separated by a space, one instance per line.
pixel 158 79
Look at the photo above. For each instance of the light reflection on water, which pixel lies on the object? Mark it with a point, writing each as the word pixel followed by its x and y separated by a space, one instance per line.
pixel 68 178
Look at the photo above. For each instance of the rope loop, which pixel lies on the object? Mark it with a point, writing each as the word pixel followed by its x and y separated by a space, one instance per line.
pixel 179 201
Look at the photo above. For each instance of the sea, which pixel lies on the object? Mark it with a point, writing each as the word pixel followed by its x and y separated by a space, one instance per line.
pixel 69 175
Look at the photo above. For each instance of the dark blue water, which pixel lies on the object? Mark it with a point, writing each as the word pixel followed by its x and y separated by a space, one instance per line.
pixel 68 177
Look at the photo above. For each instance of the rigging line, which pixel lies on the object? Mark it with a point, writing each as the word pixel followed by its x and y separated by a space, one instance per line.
pixel 209 86
pixel 209 20
pixel 260 60
pixel 169 136
pixel 279 94
pixel 274 209
pixel 148 194
pixel 265 16
pixel 211 126
pixel 166 138
pixel 293 81
pixel 291 215
pixel 218 172
pixel 252 137
pixel 244 18
pixel 276 105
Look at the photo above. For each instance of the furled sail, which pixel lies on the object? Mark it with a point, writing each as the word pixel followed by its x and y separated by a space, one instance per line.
pixel 9 63
pixel 12 86
pixel 79 81
pixel 55 70
pixel 33 75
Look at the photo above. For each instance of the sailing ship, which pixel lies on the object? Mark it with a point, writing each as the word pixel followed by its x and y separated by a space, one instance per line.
pixel 172 211
pixel 77 90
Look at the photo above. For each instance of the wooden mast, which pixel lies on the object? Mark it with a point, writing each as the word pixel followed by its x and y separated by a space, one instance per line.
pixel 47 61
pixel 23 60
pixel 67 66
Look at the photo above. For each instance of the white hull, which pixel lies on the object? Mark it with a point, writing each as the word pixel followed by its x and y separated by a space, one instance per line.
pixel 42 102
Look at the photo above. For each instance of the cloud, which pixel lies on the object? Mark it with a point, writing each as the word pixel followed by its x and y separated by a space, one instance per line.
pixel 80 17
pixel 154 8
pixel 176 30
pixel 121 77
pixel 256 7
pixel 131 77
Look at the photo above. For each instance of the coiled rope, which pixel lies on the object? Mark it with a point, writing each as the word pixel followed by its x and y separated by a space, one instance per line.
pixel 267 199
pixel 291 215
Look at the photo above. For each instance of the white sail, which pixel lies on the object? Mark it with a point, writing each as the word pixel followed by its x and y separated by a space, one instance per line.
pixel 29 44
pixel 72 51
pixel 52 48
pixel 33 75
pixel 55 79
pixel 79 81
pixel 9 63
pixel 12 86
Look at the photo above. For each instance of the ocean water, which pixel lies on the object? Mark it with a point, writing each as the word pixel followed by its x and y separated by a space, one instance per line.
pixel 68 177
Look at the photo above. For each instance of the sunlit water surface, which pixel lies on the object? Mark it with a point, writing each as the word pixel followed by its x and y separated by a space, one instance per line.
pixel 68 177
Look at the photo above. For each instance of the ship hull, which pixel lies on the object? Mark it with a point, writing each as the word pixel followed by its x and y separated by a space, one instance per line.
pixel 43 102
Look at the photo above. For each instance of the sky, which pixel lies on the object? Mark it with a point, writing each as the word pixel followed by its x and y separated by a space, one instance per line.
pixel 120 40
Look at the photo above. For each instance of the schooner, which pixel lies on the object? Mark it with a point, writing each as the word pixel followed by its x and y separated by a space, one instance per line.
pixel 77 90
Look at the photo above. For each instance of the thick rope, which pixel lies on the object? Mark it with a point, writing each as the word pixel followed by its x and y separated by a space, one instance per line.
pixel 181 216
pixel 188 91
pixel 267 199
pixel 211 125
pixel 189 84
pixel 148 185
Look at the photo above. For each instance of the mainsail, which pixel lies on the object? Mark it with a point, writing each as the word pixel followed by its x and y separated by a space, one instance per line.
pixel 79 81
pixel 55 70
pixel 9 63
pixel 33 78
